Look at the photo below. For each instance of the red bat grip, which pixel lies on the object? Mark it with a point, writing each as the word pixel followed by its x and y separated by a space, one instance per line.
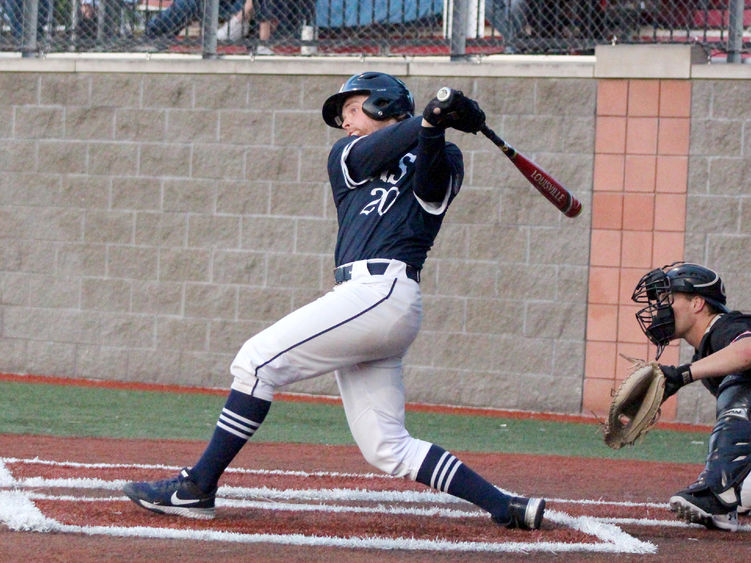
pixel 541 180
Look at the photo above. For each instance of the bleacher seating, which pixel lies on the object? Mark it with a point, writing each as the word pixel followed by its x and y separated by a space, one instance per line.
pixel 719 17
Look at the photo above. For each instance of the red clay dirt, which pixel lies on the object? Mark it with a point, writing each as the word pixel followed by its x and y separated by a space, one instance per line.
pixel 565 482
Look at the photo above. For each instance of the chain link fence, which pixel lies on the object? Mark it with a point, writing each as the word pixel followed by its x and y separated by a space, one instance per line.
pixel 458 28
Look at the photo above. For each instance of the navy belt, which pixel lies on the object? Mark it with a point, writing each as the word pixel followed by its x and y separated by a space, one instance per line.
pixel 344 273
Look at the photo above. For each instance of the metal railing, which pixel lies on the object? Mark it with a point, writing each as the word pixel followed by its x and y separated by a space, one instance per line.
pixel 459 28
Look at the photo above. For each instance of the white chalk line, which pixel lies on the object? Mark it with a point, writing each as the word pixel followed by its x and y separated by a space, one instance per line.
pixel 239 470
pixel 350 495
pixel 242 491
pixel 6 478
pixel 292 506
pixel 18 512
pixel 345 495
pixel 314 494
pixel 379 509
pixel 662 523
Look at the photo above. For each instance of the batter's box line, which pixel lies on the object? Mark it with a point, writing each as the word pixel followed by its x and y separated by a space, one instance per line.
pixel 19 513
pixel 243 492
pixel 290 506
pixel 587 525
pixel 379 509
pixel 268 493
pixel 286 506
pixel 236 470
pixel 6 478
pixel 647 522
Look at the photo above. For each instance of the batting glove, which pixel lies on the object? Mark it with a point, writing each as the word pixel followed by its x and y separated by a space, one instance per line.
pixel 458 111
pixel 675 378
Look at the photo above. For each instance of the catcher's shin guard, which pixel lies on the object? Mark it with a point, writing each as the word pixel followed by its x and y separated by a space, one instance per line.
pixel 729 460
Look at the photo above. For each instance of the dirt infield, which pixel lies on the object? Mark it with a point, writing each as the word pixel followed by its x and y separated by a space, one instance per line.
pixel 60 500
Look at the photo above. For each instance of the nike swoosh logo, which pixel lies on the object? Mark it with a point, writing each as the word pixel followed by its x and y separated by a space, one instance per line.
pixel 178 501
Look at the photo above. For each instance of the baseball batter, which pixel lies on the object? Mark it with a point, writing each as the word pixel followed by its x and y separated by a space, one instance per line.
pixel 688 301
pixel 393 177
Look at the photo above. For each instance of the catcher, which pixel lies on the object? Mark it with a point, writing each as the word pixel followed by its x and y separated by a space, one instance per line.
pixel 687 301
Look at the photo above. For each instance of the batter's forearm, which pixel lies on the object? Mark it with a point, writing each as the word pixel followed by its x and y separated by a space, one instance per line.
pixel 432 171
pixel 382 149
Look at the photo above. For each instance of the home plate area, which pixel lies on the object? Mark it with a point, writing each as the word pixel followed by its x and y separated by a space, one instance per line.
pixel 317 509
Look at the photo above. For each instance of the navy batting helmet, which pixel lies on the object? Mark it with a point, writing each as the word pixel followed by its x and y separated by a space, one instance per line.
pixel 387 97
pixel 656 289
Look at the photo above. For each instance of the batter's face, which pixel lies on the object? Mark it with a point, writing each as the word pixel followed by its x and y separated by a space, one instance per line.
pixel 357 122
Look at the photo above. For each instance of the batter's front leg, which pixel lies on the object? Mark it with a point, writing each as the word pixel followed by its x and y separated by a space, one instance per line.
pixel 373 398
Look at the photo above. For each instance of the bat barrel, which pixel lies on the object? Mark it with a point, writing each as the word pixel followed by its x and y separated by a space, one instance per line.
pixel 574 208
pixel 548 186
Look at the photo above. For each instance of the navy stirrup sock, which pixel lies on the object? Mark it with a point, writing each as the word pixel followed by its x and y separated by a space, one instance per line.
pixel 443 471
pixel 240 418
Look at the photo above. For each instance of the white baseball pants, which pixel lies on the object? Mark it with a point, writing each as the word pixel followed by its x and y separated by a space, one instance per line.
pixel 361 330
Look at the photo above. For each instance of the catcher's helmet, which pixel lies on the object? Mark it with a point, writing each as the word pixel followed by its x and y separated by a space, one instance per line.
pixel 656 289
pixel 387 97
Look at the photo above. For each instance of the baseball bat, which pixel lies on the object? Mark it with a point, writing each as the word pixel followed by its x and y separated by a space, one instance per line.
pixel 543 182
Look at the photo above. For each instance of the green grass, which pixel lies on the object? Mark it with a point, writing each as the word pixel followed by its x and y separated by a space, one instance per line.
pixel 67 410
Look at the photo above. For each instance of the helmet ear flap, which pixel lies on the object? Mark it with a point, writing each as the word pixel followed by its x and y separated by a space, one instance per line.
pixel 379 107
pixel 375 106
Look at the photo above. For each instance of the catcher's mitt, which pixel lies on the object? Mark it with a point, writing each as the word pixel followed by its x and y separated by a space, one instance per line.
pixel 635 408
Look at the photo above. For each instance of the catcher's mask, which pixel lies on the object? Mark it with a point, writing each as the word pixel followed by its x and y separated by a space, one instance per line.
pixel 387 97
pixel 656 289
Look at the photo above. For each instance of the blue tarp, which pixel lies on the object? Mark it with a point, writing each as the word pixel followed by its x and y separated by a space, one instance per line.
pixel 350 13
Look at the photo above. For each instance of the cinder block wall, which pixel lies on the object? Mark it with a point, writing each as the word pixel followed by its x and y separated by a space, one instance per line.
pixel 718 202
pixel 154 220
pixel 155 216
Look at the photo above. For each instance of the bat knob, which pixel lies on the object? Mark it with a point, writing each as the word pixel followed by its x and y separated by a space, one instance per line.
pixel 443 94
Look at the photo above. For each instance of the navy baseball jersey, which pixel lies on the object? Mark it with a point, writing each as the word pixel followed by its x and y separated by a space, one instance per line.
pixel 375 187
pixel 724 331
